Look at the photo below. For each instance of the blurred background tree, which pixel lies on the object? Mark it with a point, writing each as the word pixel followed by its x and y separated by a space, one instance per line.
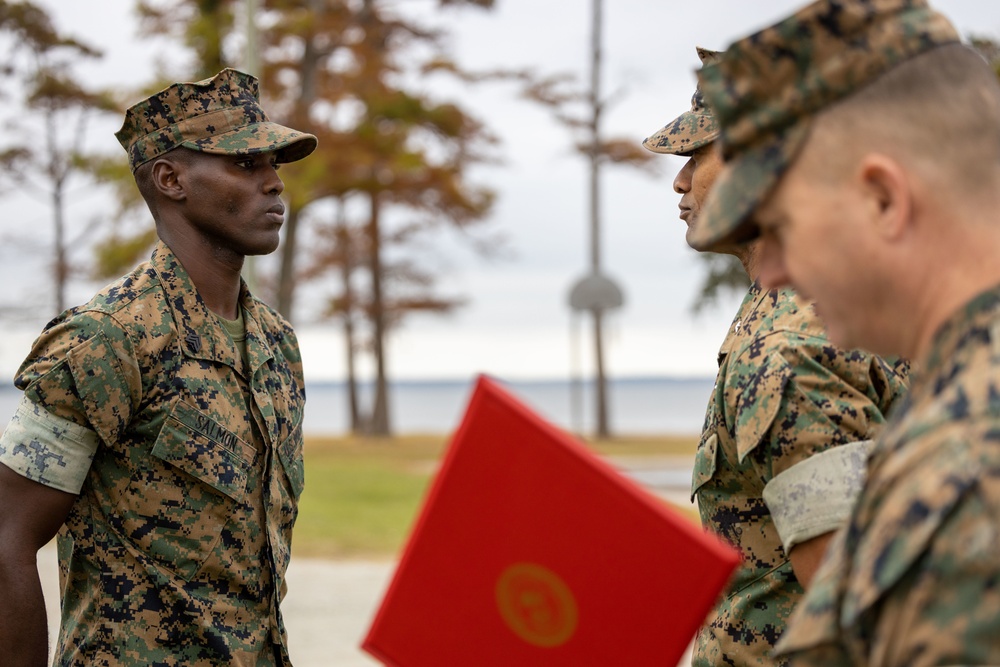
pixel 48 122
pixel 392 165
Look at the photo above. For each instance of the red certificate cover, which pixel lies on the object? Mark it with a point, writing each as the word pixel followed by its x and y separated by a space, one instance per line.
pixel 530 550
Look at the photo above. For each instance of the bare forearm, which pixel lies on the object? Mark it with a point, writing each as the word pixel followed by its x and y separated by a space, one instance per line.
pixel 807 556
pixel 23 634
pixel 32 513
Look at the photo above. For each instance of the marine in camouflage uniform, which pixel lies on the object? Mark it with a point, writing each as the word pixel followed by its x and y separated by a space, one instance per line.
pixel 914 577
pixel 176 434
pixel 786 433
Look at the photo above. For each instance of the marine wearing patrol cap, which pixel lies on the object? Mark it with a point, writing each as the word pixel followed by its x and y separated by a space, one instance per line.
pixel 217 115
pixel 692 129
pixel 766 88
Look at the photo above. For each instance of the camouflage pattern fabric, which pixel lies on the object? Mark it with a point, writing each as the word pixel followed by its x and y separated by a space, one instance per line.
pixel 767 87
pixel 915 578
pixel 782 395
pixel 176 549
pixel 692 129
pixel 217 115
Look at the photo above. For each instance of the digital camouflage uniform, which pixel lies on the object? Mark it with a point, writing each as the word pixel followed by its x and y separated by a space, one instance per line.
pixel 914 578
pixel 184 448
pixel 178 544
pixel 781 457
pixel 783 448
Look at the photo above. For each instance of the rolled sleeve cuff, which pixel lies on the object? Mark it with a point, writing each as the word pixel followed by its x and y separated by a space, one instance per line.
pixel 47 449
pixel 816 496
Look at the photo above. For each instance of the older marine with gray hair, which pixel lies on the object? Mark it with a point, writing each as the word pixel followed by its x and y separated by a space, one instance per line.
pixel 863 147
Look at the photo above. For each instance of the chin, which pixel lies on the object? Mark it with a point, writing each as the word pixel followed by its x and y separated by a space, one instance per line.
pixel 263 247
pixel 690 232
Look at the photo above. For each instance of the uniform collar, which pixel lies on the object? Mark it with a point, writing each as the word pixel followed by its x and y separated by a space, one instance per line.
pixel 967 328
pixel 203 336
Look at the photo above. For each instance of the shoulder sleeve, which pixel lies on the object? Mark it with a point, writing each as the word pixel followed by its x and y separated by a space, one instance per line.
pixel 815 496
pixel 83 370
pixel 806 397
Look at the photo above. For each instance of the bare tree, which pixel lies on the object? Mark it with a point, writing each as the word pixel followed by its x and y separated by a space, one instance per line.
pixel 54 107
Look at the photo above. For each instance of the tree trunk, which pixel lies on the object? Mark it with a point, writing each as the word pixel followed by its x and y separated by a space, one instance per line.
pixel 345 243
pixel 300 118
pixel 284 299
pixel 380 411
pixel 352 381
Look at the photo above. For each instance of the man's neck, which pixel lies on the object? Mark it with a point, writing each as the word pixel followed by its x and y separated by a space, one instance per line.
pixel 215 272
pixel 748 258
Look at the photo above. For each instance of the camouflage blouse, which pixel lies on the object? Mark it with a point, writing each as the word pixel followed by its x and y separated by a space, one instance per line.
pixel 175 551
pixel 783 394
pixel 915 578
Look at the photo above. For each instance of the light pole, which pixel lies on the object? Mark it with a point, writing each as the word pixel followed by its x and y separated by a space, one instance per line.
pixel 595 292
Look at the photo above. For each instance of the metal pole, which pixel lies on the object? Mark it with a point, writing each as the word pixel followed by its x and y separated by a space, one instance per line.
pixel 603 431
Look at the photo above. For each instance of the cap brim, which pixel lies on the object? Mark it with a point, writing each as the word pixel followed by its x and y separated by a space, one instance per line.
pixel 684 134
pixel 742 185
pixel 288 145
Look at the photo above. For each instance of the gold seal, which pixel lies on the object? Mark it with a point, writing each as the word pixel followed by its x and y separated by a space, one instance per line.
pixel 536 604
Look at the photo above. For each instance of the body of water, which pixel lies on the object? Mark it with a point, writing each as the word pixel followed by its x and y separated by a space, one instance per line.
pixel 653 406
pixel 635 406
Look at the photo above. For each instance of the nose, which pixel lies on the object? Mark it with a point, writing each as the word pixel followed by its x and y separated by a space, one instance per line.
pixel 682 182
pixel 771 264
pixel 273 183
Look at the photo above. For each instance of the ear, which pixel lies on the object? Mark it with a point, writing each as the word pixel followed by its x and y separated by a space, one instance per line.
pixel 888 191
pixel 167 177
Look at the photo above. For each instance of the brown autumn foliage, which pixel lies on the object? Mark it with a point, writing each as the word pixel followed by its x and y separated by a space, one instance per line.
pixel 392 156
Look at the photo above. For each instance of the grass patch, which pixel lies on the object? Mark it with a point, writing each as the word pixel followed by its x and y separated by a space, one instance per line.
pixel 362 494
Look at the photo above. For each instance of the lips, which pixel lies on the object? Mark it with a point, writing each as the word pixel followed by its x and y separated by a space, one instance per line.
pixel 276 213
pixel 685 214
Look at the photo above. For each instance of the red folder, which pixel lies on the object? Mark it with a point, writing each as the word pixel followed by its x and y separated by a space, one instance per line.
pixel 530 550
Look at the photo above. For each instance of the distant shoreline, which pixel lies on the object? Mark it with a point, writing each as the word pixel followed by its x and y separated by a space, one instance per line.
pixel 638 406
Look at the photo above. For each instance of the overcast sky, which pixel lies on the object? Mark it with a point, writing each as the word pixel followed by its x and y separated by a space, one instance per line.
pixel 517 323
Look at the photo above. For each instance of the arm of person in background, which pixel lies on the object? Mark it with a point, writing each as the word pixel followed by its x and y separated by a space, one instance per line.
pixel 806 557
pixel 32 514
pixel 814 452
pixel 812 499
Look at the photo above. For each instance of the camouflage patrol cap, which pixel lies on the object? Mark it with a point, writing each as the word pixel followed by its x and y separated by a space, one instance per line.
pixel 692 129
pixel 766 89
pixel 217 115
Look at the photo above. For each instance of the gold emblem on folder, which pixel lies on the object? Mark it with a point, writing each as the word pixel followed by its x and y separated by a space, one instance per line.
pixel 536 605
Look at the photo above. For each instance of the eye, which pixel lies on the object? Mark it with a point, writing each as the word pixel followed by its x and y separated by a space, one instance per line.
pixel 245 163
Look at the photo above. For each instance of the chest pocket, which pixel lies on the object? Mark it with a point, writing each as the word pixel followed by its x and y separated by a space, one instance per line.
pixel 705 462
pixel 177 506
pixel 290 452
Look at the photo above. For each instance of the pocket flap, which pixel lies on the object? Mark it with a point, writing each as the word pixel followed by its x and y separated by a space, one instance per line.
pixel 704 463
pixel 290 452
pixel 198 445
pixel 759 402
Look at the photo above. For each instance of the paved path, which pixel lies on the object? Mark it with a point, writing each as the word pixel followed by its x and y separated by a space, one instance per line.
pixel 328 609
pixel 330 604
